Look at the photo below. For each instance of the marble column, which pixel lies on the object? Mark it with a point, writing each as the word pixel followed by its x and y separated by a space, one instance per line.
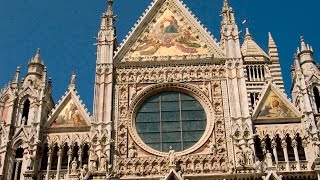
pixel 69 158
pixel 296 154
pixel 80 154
pixel 274 149
pixel 60 154
pixel 285 152
pixel 49 163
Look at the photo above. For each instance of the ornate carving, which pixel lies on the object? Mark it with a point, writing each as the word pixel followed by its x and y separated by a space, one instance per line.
pixel 170 74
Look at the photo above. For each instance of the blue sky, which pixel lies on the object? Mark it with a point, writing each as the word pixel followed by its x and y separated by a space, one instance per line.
pixel 65 31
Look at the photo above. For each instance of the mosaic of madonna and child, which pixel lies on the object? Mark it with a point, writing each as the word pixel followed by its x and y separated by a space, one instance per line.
pixel 168 36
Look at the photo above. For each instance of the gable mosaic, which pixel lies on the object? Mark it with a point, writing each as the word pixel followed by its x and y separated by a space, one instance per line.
pixel 168 36
pixel 69 116
pixel 274 107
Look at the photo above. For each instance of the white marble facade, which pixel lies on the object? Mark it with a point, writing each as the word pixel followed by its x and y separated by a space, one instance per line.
pixel 170 102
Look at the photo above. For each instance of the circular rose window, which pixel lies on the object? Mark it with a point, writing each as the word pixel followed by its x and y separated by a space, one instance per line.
pixel 170 119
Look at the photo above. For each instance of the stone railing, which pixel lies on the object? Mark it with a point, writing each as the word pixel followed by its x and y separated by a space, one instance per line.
pixel 53 175
pixel 292 166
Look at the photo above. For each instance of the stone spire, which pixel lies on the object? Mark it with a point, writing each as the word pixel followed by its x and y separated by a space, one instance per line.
pixel 227 13
pixel 305 53
pixel 15 80
pixel 229 32
pixel 36 59
pixel 250 48
pixel 273 50
pixel 36 65
pixel 107 20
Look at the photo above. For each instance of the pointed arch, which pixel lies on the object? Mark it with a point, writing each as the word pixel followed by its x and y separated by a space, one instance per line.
pixel 258 148
pixel 17 160
pixel 316 94
pixel 25 112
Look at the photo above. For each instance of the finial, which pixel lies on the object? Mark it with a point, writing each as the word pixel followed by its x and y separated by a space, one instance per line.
pixel 248 35
pixel 38 51
pixel 15 80
pixel 73 80
pixel 301 38
pixel 303 44
pixel 110 9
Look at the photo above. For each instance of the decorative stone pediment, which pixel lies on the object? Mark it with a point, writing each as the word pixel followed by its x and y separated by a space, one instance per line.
pixel 168 32
pixel 274 105
pixel 173 175
pixel 69 113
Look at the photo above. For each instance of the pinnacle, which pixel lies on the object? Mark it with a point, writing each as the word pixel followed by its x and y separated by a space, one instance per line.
pixel 303 44
pixel 271 43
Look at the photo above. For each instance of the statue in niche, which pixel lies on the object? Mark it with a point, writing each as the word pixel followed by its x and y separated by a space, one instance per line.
pixel 94 162
pixel 249 155
pixel 74 165
pixel 84 173
pixel 30 159
pixel 213 149
pixel 103 163
pixel 269 159
pixel 132 153
pixel 172 161
pixel 241 158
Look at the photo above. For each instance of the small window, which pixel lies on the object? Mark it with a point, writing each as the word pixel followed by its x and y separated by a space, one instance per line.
pixel 25 111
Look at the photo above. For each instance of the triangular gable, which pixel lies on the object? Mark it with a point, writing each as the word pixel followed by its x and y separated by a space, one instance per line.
pixel 273 176
pixel 173 175
pixel 69 113
pixel 250 48
pixel 168 31
pixel 274 105
pixel 313 78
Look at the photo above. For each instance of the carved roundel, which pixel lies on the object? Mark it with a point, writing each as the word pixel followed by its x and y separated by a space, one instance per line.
pixel 171 115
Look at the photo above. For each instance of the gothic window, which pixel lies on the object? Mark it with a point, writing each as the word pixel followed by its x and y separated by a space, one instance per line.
pixel 17 164
pixel 85 156
pixel 290 148
pixel 171 119
pixel 64 161
pixel 44 158
pixel 301 153
pixel 317 98
pixel 279 148
pixel 258 148
pixel 54 162
pixel 269 147
pixel 25 111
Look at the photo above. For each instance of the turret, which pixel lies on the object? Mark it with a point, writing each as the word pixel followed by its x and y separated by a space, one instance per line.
pixel 229 32
pixel 307 63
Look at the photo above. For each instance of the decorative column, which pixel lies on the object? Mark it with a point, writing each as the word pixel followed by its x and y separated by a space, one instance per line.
pixel 296 154
pixel 60 153
pixel 274 149
pixel 49 162
pixel 80 154
pixel 69 158
pixel 285 152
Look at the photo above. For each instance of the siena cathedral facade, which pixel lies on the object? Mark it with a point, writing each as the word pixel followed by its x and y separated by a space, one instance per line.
pixel 170 103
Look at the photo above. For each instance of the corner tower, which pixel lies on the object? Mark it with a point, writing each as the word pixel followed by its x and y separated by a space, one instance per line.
pixel 104 82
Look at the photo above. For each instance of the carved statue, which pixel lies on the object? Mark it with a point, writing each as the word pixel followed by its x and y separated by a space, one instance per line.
pixel 103 163
pixel 231 167
pixel 74 165
pixel 172 157
pixel 269 159
pixel 94 162
pixel 29 161
pixel 132 153
pixel 241 158
pixel 258 166
pixel 84 173
pixel 212 149
pixel 249 156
